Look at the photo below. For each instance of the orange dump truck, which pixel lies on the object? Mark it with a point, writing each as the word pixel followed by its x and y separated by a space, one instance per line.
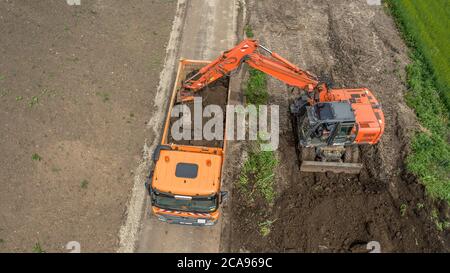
pixel 185 184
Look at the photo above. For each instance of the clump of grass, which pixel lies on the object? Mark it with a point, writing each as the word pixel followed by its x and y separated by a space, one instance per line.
pixel 257 174
pixel 430 157
pixel 2 77
pixel 19 98
pixel 428 80
pixel 37 248
pixel 33 101
pixel 256 91
pixel 266 227
pixel 403 209
pixel 84 184
pixel 36 157
pixel 440 225
pixel 249 31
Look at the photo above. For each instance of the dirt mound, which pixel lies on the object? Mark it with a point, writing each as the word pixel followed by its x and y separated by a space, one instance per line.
pixel 214 94
pixel 356 45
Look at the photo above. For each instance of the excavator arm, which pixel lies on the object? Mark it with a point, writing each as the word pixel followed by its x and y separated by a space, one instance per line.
pixel 247 52
pixel 352 115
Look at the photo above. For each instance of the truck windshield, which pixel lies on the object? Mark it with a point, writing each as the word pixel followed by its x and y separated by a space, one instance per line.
pixel 196 204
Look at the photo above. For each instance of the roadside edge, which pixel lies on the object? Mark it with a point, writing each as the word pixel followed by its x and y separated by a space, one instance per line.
pixel 129 230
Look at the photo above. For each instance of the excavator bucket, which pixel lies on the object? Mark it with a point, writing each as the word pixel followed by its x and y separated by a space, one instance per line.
pixel 335 167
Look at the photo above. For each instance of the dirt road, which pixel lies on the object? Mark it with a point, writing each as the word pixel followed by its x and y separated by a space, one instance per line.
pixel 75 96
pixel 209 28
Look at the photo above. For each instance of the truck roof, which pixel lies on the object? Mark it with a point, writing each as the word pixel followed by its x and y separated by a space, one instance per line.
pixel 187 173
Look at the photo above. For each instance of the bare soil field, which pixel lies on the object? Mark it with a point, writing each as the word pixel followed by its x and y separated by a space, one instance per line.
pixel 356 45
pixel 77 88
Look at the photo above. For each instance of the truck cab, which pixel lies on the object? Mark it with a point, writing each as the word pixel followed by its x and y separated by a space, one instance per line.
pixel 185 185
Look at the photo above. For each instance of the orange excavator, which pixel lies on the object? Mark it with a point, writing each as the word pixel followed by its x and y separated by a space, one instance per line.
pixel 328 124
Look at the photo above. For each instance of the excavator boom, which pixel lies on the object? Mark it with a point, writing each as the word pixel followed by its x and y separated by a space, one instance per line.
pixel 331 120
pixel 247 51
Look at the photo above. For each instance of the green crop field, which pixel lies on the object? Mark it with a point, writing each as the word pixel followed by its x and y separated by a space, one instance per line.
pixel 425 27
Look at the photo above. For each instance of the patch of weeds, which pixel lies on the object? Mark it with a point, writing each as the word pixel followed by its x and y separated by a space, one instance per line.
pixel 256 91
pixel 434 214
pixel 84 184
pixel 33 101
pixel 265 227
pixel 2 241
pixel 131 115
pixel 403 209
pixel 4 93
pixel 317 188
pixel 249 31
pixel 420 206
pixel 19 98
pixel 37 248
pixel 36 157
pixel 104 96
pixel 257 174
pixel 36 99
pixel 440 225
pixel 2 77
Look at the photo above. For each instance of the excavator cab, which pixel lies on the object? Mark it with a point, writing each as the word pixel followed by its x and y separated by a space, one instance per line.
pixel 324 124
pixel 324 134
